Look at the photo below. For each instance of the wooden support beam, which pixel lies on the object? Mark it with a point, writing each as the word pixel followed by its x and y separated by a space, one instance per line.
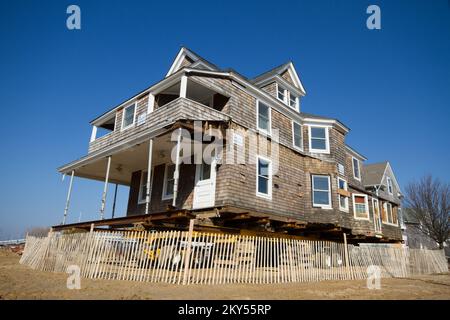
pixel 176 173
pixel 69 193
pixel 183 86
pixel 149 173
pixel 105 189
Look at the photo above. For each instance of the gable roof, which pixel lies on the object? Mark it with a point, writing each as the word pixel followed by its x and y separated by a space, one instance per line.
pixel 195 58
pixel 278 71
pixel 373 173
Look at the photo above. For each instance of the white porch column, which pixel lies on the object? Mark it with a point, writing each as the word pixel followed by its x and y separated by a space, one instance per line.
pixel 183 86
pixel 151 102
pixel 149 172
pixel 69 193
pixel 94 133
pixel 105 188
pixel 176 173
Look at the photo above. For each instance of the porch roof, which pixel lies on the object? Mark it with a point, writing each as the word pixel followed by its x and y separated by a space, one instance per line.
pixel 161 121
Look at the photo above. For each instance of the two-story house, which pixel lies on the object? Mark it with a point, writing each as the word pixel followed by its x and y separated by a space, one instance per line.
pixel 280 170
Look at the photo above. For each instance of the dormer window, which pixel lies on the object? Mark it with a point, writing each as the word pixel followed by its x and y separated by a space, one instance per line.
pixel 293 101
pixel 287 97
pixel 282 93
pixel 128 116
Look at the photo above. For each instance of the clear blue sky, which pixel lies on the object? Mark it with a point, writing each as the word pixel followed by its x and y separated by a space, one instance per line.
pixel 391 86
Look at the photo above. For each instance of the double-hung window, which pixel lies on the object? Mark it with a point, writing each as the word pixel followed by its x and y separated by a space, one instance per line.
pixel 168 182
pixel 293 101
pixel 297 136
pixel 321 191
pixel 343 194
pixel 128 116
pixel 263 177
pixel 356 169
pixel 263 117
pixel 361 206
pixel 318 139
pixel 282 93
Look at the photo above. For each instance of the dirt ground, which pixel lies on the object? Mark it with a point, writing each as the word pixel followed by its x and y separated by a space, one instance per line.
pixel 20 282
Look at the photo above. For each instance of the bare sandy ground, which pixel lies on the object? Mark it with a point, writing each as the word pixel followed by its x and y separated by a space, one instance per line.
pixel 20 282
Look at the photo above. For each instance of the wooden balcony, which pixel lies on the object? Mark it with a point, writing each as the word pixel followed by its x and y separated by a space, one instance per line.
pixel 178 109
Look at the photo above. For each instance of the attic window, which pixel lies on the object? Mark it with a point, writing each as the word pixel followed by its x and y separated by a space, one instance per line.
pixel 389 185
pixel 281 93
pixel 293 101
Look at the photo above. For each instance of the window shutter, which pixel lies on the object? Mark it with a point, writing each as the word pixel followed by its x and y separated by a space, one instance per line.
pixel 360 200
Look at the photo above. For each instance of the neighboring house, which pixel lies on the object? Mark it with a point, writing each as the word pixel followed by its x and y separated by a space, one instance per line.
pixel 380 181
pixel 413 235
pixel 317 189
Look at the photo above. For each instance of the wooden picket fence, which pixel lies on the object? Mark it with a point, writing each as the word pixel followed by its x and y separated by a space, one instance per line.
pixel 205 258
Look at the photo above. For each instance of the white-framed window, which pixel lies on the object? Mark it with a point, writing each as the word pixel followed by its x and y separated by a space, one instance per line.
pixel 143 186
pixel 360 206
pixel 297 135
pixel 293 101
pixel 356 169
pixel 263 177
pixel 128 116
pixel 319 139
pixel 389 186
pixel 343 199
pixel 263 117
pixel 321 191
pixel 282 93
pixel 168 181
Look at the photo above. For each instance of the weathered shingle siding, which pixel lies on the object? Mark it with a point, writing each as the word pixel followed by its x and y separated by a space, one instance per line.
pixel 286 76
pixel 291 185
pixel 271 88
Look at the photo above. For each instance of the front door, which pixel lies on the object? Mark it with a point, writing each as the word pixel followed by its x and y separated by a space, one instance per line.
pixel 376 215
pixel 205 185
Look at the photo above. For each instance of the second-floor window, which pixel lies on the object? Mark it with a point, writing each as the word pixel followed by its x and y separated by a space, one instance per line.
pixel 356 169
pixel 168 182
pixel 321 191
pixel 389 185
pixel 297 136
pixel 361 206
pixel 264 177
pixel 263 117
pixel 318 139
pixel 128 116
